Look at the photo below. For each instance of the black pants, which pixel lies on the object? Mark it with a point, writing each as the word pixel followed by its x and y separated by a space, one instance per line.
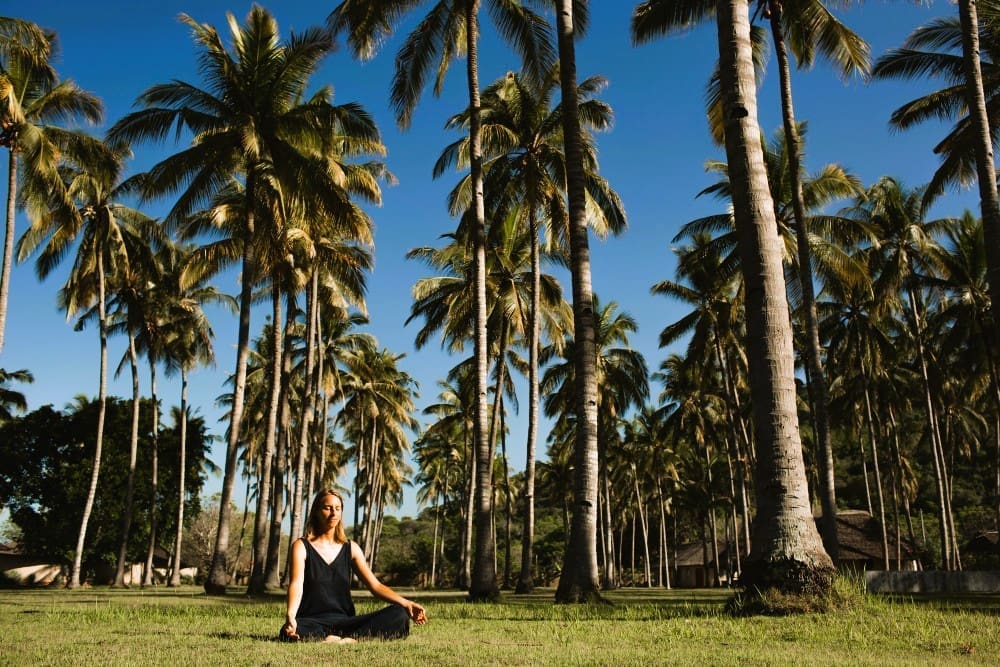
pixel 392 622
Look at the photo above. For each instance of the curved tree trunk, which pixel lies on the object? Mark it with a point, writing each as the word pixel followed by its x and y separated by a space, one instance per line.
pixel 175 575
pixel 258 579
pixel 580 577
pixel 88 506
pixel 306 416
pixel 787 552
pixel 272 570
pixel 133 450
pixel 218 577
pixel 8 239
pixel 816 385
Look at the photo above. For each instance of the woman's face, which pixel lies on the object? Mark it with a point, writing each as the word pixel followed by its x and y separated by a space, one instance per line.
pixel 330 511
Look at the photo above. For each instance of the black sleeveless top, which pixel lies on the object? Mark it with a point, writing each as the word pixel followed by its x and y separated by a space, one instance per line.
pixel 326 587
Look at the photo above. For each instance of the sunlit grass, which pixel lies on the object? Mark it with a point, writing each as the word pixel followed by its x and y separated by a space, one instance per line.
pixel 640 626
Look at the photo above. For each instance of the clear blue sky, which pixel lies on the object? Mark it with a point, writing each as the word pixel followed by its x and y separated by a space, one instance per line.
pixel 654 156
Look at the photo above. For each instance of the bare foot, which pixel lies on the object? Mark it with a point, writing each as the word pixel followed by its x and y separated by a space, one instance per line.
pixel 333 639
pixel 348 640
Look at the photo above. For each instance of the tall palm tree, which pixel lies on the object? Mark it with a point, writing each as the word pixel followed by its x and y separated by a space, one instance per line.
pixel 621 377
pixel 187 344
pixel 579 580
pixel 108 233
pixel 964 52
pixel 524 169
pixel 804 27
pixel 248 122
pixel 906 251
pixel 32 101
pixel 787 552
pixel 450 29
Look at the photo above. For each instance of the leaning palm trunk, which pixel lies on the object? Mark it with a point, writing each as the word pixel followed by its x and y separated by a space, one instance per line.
pixel 215 583
pixel 272 570
pixel 483 585
pixel 88 506
pixel 580 577
pixel 985 168
pixel 175 576
pixel 306 417
pixel 133 450
pixel 258 580
pixel 787 553
pixel 148 578
pixel 878 480
pixel 940 469
pixel 817 375
pixel 8 239
pixel 526 581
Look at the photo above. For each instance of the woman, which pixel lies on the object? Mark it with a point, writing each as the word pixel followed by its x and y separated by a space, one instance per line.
pixel 319 593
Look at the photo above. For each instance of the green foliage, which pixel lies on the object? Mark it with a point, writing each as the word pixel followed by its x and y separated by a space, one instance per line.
pixel 45 462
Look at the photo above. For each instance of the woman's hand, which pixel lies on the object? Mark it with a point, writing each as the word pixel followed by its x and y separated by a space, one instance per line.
pixel 289 630
pixel 416 612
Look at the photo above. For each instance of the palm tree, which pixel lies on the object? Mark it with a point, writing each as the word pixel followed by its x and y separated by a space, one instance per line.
pixel 787 552
pixel 622 380
pixel 963 52
pixel 248 122
pixel 109 234
pixel 905 251
pixel 187 344
pixel 579 580
pixel 11 400
pixel 524 170
pixel 451 28
pixel 32 98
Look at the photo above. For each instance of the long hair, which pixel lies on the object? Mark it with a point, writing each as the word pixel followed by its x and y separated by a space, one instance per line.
pixel 313 527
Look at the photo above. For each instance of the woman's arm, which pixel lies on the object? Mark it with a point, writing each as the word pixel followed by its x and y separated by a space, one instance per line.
pixel 298 568
pixel 380 590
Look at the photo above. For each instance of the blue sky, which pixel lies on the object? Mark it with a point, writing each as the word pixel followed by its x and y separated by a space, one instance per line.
pixel 654 157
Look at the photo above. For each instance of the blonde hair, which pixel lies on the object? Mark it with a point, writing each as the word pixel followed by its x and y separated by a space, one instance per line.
pixel 313 527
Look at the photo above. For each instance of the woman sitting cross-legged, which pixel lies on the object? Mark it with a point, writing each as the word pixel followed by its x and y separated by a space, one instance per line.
pixel 319 593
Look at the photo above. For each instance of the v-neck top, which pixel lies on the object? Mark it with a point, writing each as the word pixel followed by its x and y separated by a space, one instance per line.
pixel 326 587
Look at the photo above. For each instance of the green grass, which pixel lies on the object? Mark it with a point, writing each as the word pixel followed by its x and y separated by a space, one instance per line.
pixel 185 627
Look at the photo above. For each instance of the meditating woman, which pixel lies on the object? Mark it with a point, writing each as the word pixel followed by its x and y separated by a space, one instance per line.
pixel 319 593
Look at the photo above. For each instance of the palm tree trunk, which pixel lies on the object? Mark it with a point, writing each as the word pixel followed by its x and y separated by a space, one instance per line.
pixel 609 574
pixel 663 538
pixel 526 582
pixel 175 577
pixel 817 374
pixel 899 467
pixel 8 239
pixel 645 529
pixel 985 168
pixel 133 451
pixel 273 573
pixel 258 579
pixel 878 480
pixel 483 585
pixel 148 578
pixel 787 553
pixel 940 472
pixel 465 575
pixel 218 577
pixel 306 417
pixel 580 576
pixel 88 506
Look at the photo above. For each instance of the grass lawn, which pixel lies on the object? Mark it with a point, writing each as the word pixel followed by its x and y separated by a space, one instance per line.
pixel 183 626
